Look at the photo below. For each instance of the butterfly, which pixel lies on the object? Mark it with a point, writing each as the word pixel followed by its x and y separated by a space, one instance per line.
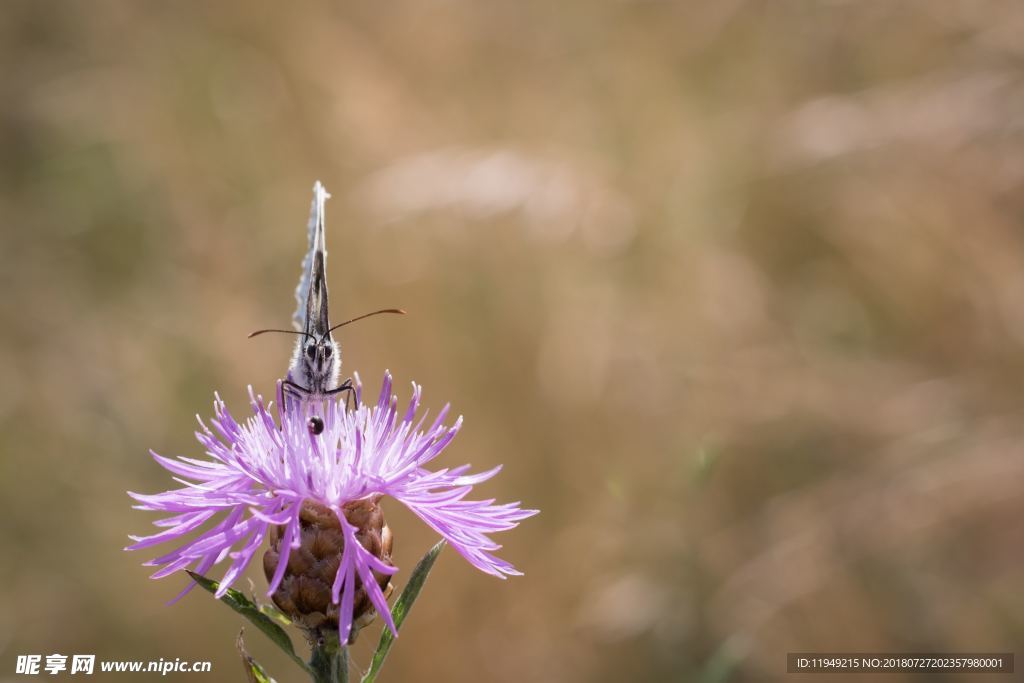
pixel 315 367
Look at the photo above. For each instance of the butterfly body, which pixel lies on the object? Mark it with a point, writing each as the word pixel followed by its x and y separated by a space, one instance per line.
pixel 315 368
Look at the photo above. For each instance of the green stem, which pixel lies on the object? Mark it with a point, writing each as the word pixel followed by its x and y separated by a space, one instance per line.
pixel 329 662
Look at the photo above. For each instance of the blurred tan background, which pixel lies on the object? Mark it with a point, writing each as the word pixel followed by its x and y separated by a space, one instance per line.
pixel 735 291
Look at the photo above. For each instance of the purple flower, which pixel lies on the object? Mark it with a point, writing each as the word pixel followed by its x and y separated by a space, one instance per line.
pixel 260 474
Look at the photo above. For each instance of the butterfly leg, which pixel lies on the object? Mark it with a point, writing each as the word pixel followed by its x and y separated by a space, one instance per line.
pixel 345 386
pixel 291 389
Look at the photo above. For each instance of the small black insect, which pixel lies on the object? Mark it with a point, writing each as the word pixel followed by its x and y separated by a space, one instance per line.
pixel 316 425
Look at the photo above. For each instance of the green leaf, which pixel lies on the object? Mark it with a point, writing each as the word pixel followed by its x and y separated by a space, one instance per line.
pixel 401 609
pixel 254 673
pixel 277 615
pixel 251 611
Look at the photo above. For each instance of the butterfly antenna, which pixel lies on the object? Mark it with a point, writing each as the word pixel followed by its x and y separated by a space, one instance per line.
pixel 399 311
pixel 259 332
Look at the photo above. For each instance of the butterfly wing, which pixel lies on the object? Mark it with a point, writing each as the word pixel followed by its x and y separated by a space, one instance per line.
pixel 311 294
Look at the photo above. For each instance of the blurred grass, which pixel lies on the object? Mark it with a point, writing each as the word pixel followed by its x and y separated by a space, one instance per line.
pixel 735 290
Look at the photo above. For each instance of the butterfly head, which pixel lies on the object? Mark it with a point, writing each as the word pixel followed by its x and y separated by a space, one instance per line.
pixel 316 363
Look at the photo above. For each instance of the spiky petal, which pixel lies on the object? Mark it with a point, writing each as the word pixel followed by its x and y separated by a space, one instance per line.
pixel 261 472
